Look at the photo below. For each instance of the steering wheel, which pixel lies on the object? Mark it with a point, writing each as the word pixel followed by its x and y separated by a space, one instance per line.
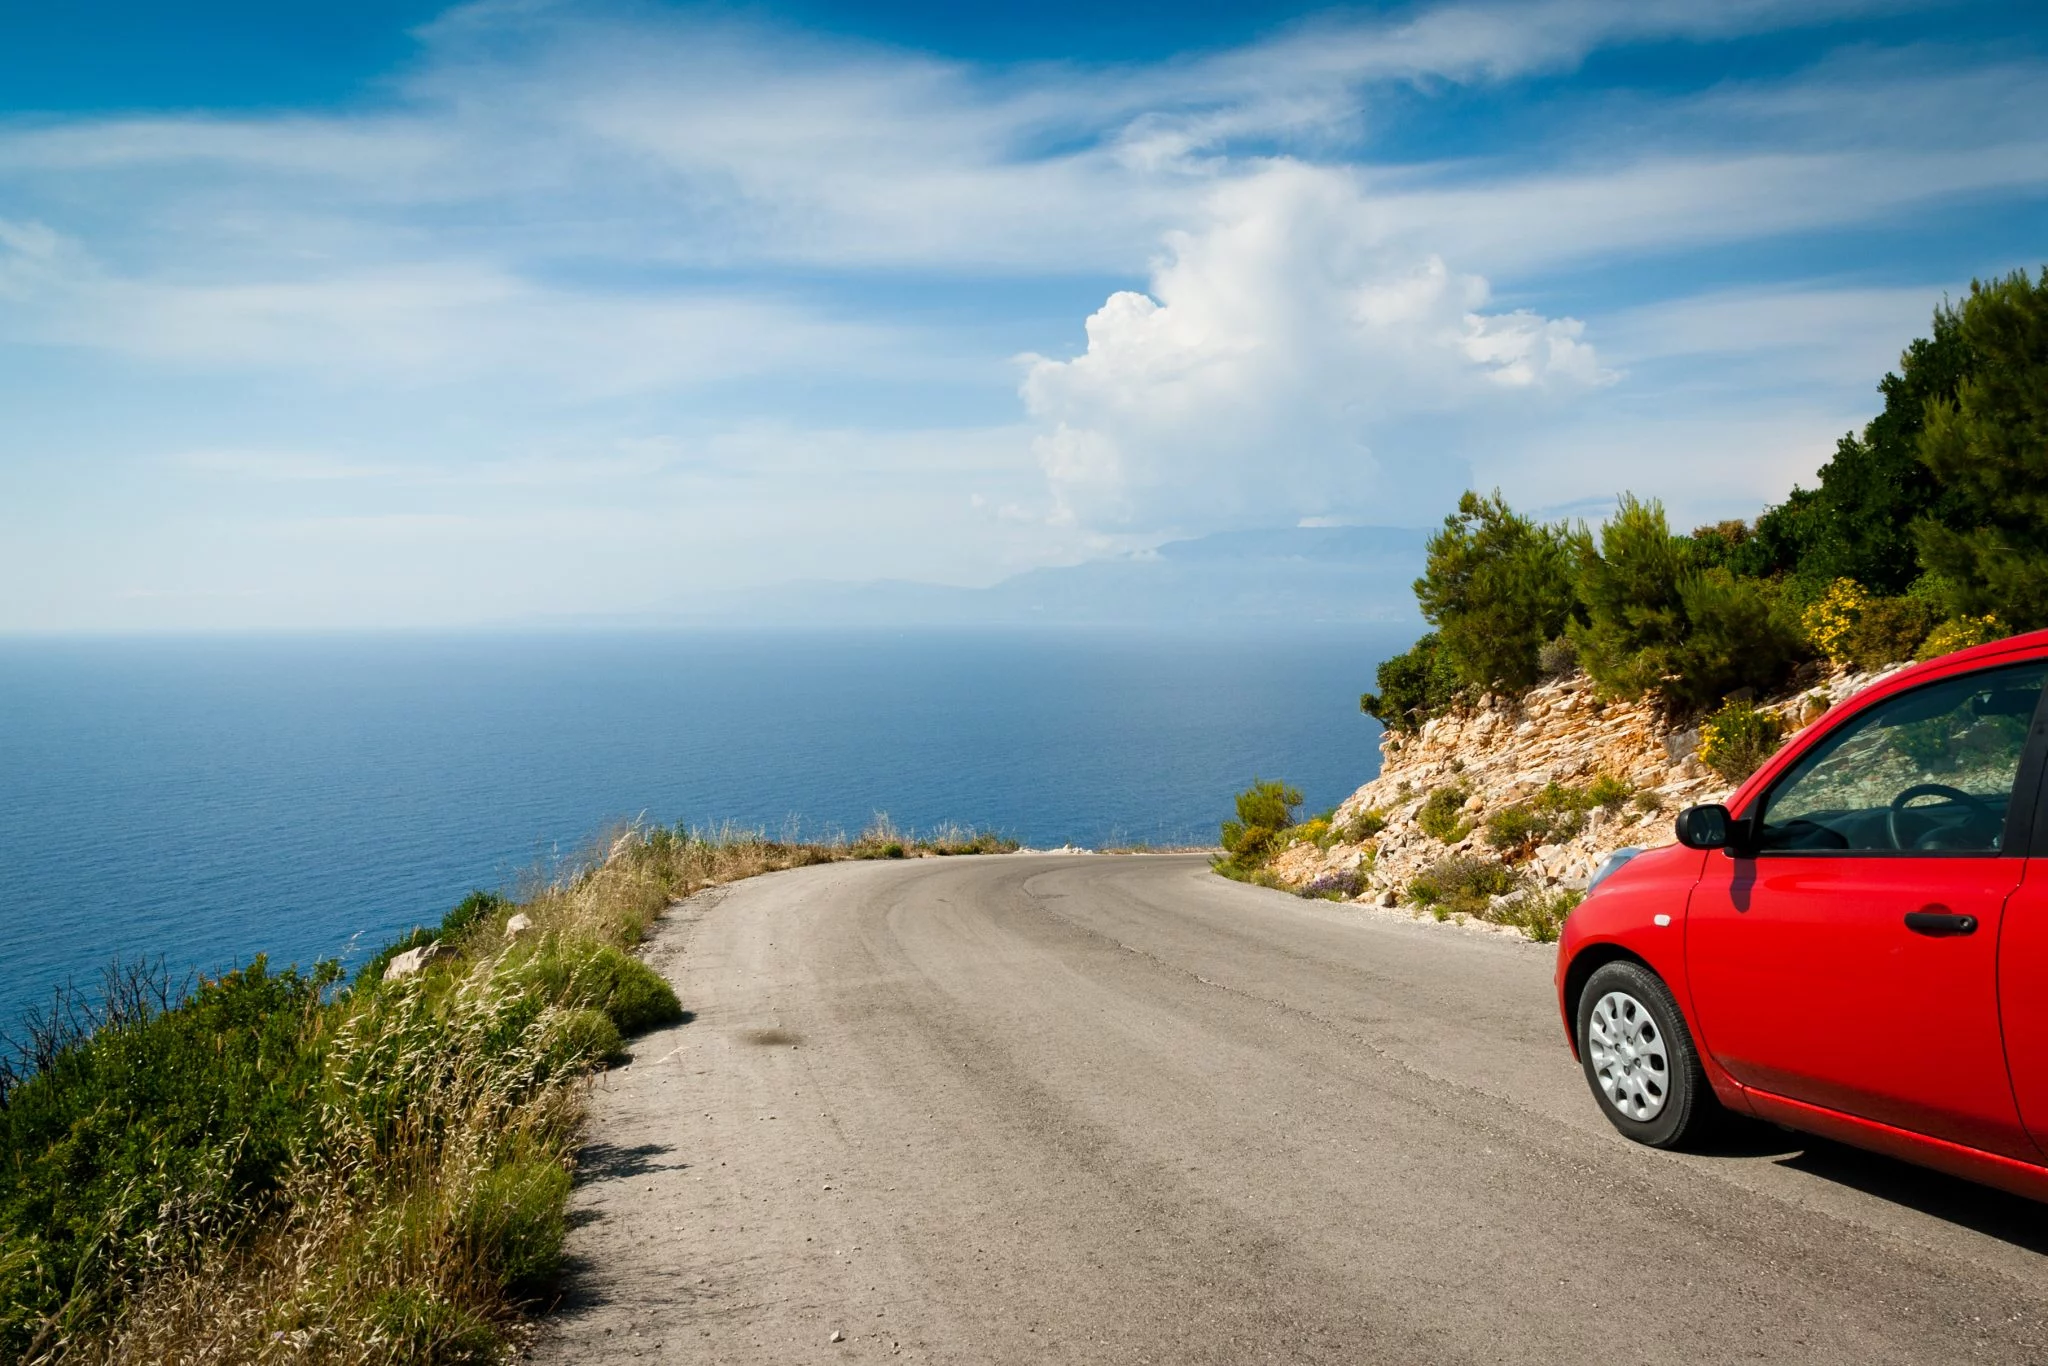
pixel 1919 790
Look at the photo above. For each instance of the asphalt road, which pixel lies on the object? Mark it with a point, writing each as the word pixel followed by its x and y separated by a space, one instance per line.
pixel 1074 1109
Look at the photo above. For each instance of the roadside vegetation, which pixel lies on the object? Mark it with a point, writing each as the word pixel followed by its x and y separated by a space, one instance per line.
pixel 1928 532
pixel 283 1166
pixel 1266 825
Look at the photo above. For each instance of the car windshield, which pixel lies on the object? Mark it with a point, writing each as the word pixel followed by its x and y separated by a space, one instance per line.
pixel 1929 770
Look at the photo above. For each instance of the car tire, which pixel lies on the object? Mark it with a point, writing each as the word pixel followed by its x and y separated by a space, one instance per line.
pixel 1639 1058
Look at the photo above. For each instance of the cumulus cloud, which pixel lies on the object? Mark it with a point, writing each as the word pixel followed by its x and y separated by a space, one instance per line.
pixel 1276 368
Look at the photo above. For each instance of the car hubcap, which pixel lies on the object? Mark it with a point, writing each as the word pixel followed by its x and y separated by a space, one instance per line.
pixel 1629 1061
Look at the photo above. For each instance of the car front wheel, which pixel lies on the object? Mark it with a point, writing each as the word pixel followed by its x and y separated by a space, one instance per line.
pixel 1639 1057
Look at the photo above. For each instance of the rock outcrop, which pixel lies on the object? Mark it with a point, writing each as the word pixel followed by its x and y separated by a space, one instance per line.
pixel 413 960
pixel 1505 752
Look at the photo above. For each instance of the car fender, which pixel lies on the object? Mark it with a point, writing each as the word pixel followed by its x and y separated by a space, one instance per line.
pixel 1638 912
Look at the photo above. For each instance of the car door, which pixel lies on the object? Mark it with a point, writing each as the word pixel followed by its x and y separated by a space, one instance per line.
pixel 1846 955
pixel 2023 977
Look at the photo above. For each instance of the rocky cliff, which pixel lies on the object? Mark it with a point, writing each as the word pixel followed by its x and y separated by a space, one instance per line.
pixel 1530 794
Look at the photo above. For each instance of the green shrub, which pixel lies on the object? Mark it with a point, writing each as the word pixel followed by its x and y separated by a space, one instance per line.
pixel 1960 633
pixel 1557 657
pixel 1442 814
pixel 1540 915
pixel 1736 740
pixel 1609 791
pixel 582 1037
pixel 1629 583
pixel 1413 687
pixel 1656 620
pixel 1515 827
pixel 586 974
pixel 515 1222
pixel 1462 885
pixel 1552 816
pixel 1363 826
pixel 471 910
pixel 1850 626
pixel 1738 633
pixel 1496 586
pixel 1263 810
pixel 1891 630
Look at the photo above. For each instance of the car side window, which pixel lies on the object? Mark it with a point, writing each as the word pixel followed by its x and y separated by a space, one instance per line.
pixel 1930 770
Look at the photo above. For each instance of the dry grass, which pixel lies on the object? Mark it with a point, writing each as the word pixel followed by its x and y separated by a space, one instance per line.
pixel 422 1211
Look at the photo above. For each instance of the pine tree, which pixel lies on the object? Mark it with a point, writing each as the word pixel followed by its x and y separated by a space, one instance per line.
pixel 1987 450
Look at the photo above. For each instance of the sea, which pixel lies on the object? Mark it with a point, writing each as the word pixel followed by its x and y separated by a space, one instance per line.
pixel 198 801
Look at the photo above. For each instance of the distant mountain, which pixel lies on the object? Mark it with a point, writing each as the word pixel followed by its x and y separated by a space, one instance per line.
pixel 1288 576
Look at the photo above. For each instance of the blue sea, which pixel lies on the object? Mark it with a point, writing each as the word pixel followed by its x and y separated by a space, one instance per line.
pixel 208 799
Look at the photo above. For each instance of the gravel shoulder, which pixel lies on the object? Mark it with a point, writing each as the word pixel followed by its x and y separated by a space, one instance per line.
pixel 1055 1108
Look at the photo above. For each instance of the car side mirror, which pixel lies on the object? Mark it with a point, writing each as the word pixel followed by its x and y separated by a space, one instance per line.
pixel 1706 827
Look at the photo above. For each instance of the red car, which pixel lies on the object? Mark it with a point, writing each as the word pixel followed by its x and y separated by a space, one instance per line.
pixel 1856 945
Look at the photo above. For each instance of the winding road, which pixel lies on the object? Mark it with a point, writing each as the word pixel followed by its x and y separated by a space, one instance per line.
pixel 1037 1108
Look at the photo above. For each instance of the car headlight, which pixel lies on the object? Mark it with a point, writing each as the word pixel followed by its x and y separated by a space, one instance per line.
pixel 1608 866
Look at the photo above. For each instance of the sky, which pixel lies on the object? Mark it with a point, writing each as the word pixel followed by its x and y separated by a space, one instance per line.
pixel 392 315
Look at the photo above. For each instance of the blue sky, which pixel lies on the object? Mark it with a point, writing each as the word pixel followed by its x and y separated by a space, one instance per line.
pixel 398 315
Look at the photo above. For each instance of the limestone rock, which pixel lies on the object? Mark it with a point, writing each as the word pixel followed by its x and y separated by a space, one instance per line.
pixel 412 960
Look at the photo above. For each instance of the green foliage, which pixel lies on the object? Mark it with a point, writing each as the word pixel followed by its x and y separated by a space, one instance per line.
pixel 1514 828
pixel 140 1143
pixel 1263 810
pixel 1413 686
pixel 1720 546
pixel 882 840
pixel 1630 586
pixel 515 1220
pixel 586 974
pixel 1552 816
pixel 1610 792
pixel 1363 826
pixel 1890 630
pixel 1738 634
pixel 1851 627
pixel 1858 523
pixel 581 1037
pixel 1540 915
pixel 1462 884
pixel 1960 633
pixel 1657 620
pixel 1986 447
pixel 1557 657
pixel 1735 741
pixel 1497 586
pixel 1442 814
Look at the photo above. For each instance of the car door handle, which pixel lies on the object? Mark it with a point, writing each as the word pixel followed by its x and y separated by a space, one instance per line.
pixel 1940 923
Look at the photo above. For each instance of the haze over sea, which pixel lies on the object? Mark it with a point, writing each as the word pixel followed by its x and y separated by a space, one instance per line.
pixel 208 799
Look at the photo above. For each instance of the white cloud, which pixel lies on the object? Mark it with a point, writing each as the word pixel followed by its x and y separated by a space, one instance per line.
pixel 1275 368
pixel 426 322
